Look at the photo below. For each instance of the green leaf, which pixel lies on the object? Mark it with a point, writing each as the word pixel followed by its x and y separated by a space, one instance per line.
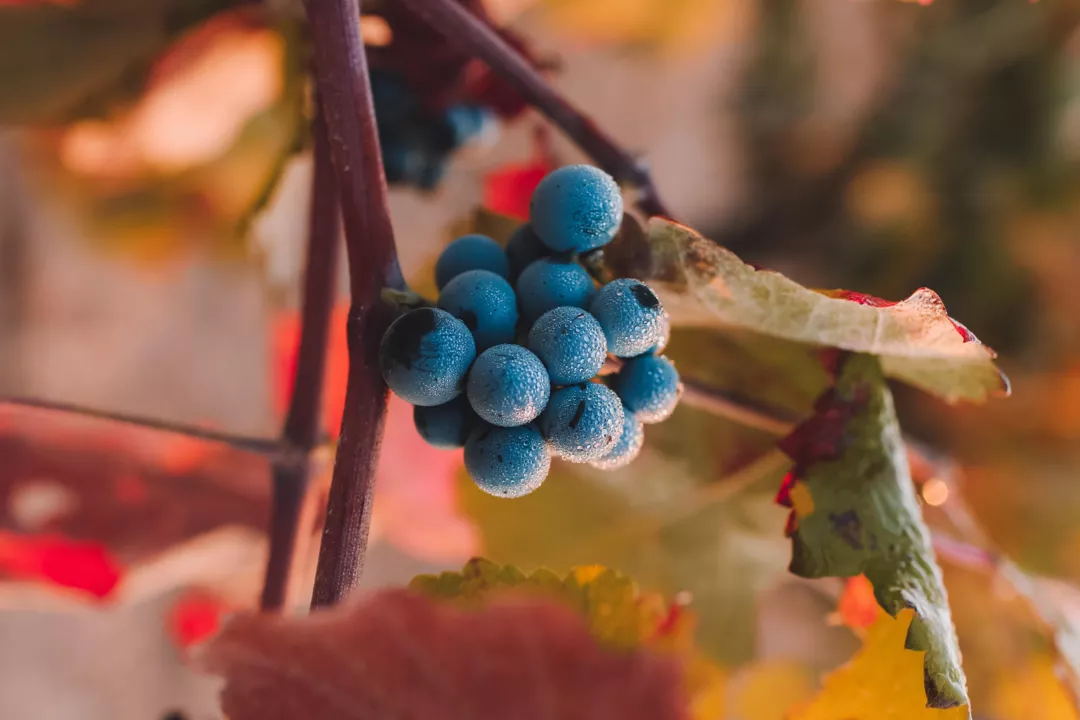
pixel 703 284
pixel 854 511
pixel 675 524
pixel 64 62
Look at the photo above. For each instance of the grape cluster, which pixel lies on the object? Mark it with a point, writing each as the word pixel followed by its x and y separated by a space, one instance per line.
pixel 507 365
pixel 417 141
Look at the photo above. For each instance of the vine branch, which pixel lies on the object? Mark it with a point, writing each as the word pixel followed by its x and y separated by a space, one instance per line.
pixel 473 36
pixel 258 446
pixel 343 85
pixel 302 427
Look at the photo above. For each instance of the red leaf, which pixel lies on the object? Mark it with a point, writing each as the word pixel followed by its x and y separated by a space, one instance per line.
pixel 404 656
pixel 84 566
pixel 509 189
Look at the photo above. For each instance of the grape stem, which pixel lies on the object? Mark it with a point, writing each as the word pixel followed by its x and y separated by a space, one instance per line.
pixel 341 78
pixel 303 429
pixel 476 38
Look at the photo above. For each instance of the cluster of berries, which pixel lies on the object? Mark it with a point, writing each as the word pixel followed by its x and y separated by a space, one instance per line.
pixel 508 363
pixel 416 141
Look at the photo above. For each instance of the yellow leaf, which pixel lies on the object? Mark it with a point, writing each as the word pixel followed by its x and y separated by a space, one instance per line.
pixel 766 690
pixel 883 681
pixel 673 26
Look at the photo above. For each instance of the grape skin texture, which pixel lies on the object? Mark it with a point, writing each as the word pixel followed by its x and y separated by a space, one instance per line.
pixel 508 386
pixel 507 462
pixel 628 447
pixel 445 426
pixel 425 355
pixel 649 387
pixel 523 249
pixel 576 208
pixel 583 422
pixel 549 283
pixel 486 304
pixel 633 319
pixel 570 343
pixel 470 252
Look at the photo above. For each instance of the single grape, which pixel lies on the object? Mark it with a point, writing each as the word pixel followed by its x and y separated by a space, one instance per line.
pixel 628 447
pixel 549 283
pixel 425 355
pixel 570 343
pixel 583 422
pixel 633 319
pixel 507 462
pixel 649 387
pixel 467 122
pixel 486 304
pixel 470 252
pixel 445 426
pixel 576 208
pixel 524 248
pixel 508 386
pixel 665 338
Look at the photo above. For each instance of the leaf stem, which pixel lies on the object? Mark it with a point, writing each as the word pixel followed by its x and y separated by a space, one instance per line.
pixel 303 428
pixel 258 446
pixel 341 75
pixel 475 37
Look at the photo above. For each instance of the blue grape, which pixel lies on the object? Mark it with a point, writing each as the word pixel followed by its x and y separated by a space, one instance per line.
pixel 570 343
pixel 445 426
pixel 523 249
pixel 576 208
pixel 549 283
pixel 628 447
pixel 649 387
pixel 470 252
pixel 467 122
pixel 425 355
pixel 633 319
pixel 508 386
pixel 507 462
pixel 486 304
pixel 583 422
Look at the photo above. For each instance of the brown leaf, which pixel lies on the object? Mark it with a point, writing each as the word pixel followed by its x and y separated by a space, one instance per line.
pixel 401 655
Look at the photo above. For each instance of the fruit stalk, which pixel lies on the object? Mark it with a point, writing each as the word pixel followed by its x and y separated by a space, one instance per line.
pixel 341 75
pixel 473 36
pixel 302 430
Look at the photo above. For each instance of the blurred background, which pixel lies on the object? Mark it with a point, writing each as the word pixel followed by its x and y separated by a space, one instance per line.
pixel 154 179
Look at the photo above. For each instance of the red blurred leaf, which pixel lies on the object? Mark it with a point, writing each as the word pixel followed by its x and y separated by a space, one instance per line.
pixel 285 343
pixel 416 493
pixel 85 566
pixel 194 618
pixel 405 656
pixel 509 189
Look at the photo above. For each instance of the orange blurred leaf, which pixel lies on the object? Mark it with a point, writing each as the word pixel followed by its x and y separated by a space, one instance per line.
pixel 398 654
pixel 858 608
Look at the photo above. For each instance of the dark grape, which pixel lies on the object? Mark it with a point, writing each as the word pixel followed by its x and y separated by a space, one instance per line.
pixel 425 355
pixel 576 208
